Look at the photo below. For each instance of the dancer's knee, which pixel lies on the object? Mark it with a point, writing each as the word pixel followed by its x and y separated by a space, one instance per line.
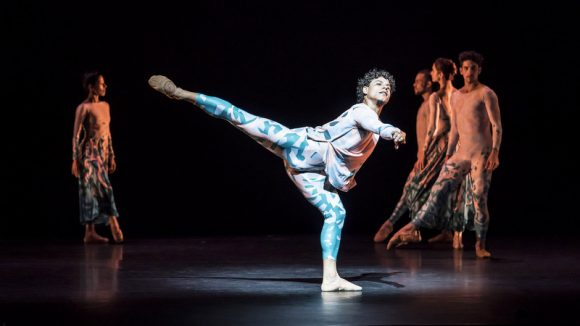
pixel 335 216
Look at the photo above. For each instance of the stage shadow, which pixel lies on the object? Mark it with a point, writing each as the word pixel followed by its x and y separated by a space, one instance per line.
pixel 368 277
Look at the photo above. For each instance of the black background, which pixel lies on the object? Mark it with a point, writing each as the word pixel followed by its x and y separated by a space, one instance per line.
pixel 182 173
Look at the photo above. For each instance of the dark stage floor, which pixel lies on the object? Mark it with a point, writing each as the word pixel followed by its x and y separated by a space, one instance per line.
pixel 273 280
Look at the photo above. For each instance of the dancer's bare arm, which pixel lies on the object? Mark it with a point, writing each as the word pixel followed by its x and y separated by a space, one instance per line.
pixel 421 126
pixel 492 107
pixel 453 135
pixel 431 116
pixel 79 117
pixel 112 162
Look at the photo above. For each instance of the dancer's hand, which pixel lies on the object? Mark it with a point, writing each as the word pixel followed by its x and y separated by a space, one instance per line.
pixel 399 137
pixel 75 168
pixel 421 161
pixel 492 161
pixel 112 165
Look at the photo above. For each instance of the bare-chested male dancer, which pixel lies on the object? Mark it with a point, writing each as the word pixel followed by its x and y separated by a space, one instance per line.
pixel 93 160
pixel 320 161
pixel 431 160
pixel 421 87
pixel 476 124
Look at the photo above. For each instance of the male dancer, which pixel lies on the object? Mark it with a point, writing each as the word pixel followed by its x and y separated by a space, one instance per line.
pixel 318 160
pixel 421 87
pixel 476 124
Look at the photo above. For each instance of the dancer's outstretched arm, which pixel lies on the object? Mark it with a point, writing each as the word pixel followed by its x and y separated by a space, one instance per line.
pixel 369 120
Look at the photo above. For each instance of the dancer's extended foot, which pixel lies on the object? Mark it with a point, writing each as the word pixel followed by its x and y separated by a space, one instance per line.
pixel 165 86
pixel 338 284
pixel 444 236
pixel 116 230
pixel 404 237
pixel 383 232
pixel 118 235
pixel 458 240
pixel 94 238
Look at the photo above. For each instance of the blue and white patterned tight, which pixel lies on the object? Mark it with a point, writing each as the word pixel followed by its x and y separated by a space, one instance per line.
pixel 304 163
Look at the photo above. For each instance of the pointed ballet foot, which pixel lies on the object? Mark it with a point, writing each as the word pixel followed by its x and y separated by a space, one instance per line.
pixel 164 86
pixel 401 238
pixel 94 238
pixel 396 240
pixel 482 253
pixel 117 233
pixel 118 236
pixel 116 230
pixel 383 232
pixel 339 284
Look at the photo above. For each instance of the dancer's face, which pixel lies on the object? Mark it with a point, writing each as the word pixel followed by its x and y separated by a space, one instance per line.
pixel 436 75
pixel 421 84
pixel 100 88
pixel 470 71
pixel 379 90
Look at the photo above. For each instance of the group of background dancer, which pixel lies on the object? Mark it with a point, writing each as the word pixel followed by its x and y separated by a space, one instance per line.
pixel 458 136
pixel 458 133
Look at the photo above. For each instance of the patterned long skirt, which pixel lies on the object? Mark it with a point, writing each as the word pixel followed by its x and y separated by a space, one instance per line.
pixel 96 199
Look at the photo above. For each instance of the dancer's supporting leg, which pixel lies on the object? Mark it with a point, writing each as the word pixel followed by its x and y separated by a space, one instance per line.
pixel 481 183
pixel 312 186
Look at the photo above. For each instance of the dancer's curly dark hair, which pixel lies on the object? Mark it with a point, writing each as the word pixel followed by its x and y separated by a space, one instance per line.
pixel 471 55
pixel 368 77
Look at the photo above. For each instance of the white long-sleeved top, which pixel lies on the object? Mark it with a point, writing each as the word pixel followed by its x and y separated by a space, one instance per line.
pixel 351 137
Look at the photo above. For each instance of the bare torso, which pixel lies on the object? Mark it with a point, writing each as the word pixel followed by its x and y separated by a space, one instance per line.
pixel 472 122
pixel 97 119
pixel 92 120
